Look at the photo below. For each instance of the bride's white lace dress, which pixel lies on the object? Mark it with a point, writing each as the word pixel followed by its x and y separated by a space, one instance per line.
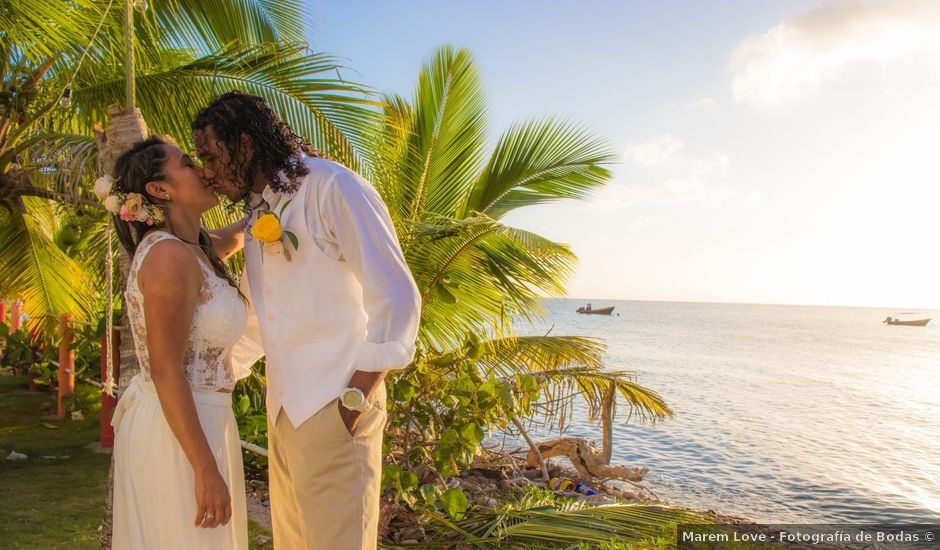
pixel 154 500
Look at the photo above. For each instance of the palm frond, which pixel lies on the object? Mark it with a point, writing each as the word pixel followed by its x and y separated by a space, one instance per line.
pixel 570 366
pixel 477 272
pixel 65 163
pixel 537 162
pixel 445 144
pixel 41 29
pixel 215 23
pixel 334 115
pixel 33 268
pixel 509 527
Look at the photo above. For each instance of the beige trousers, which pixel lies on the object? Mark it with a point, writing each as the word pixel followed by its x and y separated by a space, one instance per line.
pixel 325 482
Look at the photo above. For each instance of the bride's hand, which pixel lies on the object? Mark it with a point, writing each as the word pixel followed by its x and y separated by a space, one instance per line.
pixel 213 503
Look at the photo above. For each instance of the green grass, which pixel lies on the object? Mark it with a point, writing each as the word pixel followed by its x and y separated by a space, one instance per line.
pixel 49 503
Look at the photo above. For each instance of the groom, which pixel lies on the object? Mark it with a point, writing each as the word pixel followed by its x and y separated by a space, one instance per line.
pixel 336 308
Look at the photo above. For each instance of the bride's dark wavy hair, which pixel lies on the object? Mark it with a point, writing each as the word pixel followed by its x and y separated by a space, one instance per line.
pixel 133 170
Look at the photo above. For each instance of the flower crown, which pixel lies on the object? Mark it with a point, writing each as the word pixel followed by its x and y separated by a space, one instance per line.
pixel 130 207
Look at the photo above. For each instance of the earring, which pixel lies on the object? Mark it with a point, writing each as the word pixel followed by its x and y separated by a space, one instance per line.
pixel 167 197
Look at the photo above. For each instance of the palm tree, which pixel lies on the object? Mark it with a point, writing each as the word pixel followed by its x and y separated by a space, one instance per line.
pixel 62 64
pixel 58 83
pixel 447 195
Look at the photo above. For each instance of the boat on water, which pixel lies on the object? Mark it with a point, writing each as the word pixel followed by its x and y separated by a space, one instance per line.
pixel 911 323
pixel 598 311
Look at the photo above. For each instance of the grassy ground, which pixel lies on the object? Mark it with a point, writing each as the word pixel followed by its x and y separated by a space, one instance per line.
pixel 53 502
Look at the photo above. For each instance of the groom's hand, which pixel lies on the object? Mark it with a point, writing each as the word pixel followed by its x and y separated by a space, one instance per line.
pixel 350 418
pixel 367 382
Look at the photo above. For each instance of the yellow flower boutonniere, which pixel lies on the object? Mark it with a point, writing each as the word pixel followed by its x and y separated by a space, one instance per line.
pixel 267 229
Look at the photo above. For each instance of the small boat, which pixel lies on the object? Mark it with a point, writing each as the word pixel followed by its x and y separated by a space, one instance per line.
pixel 913 323
pixel 598 311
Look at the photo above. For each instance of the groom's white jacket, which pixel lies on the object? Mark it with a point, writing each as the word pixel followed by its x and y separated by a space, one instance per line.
pixel 344 302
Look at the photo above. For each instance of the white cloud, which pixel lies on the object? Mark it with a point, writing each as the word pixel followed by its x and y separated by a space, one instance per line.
pixel 660 171
pixel 656 151
pixel 798 56
pixel 703 104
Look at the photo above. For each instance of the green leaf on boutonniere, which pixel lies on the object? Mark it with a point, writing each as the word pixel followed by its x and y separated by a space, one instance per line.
pixel 265 212
pixel 293 239
pixel 283 206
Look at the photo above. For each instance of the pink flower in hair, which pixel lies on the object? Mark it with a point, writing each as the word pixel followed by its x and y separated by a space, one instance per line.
pixel 125 214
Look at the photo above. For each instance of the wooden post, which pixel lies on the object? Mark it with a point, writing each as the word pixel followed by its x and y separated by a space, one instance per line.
pixel 66 361
pixel 108 401
pixel 16 315
pixel 3 311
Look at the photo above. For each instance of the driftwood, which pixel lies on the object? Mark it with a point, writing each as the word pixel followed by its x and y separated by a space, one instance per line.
pixel 586 458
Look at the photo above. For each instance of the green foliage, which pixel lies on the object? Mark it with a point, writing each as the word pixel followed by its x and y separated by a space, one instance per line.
pixel 455 503
pixel 571 525
pixel 187 52
pixel 249 408
pixel 447 194
pixel 18 349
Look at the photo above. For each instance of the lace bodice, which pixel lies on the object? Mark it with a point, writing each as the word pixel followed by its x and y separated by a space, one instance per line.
pixel 218 322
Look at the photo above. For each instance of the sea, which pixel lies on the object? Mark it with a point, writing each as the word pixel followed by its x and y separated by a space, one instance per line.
pixel 782 414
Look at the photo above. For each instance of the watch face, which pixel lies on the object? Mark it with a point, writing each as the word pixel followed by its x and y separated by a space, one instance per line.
pixel 352 398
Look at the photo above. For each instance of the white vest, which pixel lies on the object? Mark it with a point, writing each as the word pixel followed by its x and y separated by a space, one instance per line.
pixel 310 313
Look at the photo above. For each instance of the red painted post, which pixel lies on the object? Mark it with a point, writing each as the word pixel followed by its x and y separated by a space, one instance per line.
pixel 66 361
pixel 16 320
pixel 3 311
pixel 107 401
pixel 16 315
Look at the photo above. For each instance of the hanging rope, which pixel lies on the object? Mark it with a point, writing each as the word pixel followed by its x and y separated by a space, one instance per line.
pixel 110 384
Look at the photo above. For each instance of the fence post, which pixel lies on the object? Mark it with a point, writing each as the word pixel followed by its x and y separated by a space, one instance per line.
pixel 108 401
pixel 3 311
pixel 66 361
pixel 16 315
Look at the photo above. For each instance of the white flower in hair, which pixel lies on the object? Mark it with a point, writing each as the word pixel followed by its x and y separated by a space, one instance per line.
pixel 103 186
pixel 112 203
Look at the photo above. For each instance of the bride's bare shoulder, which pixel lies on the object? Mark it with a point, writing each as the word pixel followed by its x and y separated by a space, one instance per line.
pixel 169 264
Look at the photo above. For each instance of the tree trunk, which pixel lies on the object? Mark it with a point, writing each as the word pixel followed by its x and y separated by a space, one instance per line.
pixel 127 128
pixel 607 420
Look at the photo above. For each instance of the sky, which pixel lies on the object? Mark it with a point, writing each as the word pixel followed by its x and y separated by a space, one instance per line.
pixel 769 151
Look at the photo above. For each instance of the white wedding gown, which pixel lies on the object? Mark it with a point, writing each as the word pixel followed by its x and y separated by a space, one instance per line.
pixel 154 499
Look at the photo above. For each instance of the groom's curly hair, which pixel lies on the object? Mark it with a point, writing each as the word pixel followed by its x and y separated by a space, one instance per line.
pixel 276 146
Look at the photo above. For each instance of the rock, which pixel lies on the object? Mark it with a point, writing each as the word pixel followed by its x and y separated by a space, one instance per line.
pixel 47 408
pixel 415 533
pixel 263 539
pixel 14 456
pixel 50 426
pixel 77 415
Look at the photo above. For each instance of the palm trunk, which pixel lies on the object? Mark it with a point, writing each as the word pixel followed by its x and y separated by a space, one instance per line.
pixel 607 420
pixel 127 128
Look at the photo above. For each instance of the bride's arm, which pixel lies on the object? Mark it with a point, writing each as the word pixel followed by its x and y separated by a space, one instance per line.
pixel 229 239
pixel 170 280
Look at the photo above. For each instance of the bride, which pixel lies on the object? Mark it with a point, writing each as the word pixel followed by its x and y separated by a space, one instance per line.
pixel 178 478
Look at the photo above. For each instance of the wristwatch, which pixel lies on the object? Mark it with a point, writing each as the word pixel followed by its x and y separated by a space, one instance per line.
pixel 353 399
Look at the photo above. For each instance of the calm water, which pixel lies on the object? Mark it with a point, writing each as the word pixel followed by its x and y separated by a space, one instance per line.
pixel 782 413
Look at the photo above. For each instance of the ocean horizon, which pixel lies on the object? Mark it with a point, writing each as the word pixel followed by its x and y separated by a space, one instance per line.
pixel 783 413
